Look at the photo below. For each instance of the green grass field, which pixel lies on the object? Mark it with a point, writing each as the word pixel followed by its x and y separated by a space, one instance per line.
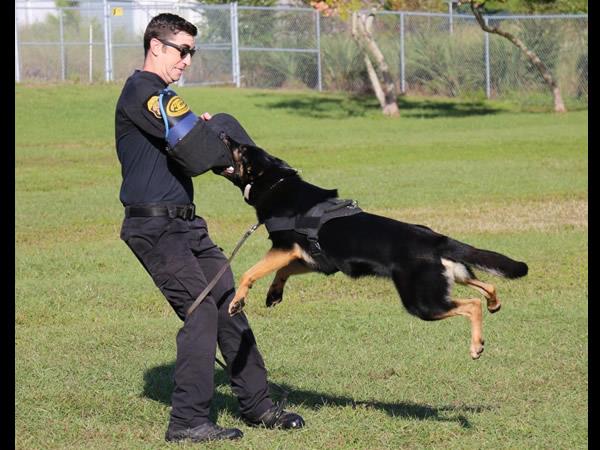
pixel 95 340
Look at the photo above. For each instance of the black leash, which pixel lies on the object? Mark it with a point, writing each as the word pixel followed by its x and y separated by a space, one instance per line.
pixel 252 229
pixel 211 285
pixel 284 393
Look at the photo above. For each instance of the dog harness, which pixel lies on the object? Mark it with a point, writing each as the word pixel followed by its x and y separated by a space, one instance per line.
pixel 311 222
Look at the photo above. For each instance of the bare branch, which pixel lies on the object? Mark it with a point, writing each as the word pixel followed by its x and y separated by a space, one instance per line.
pixel 375 81
pixel 369 24
pixel 476 8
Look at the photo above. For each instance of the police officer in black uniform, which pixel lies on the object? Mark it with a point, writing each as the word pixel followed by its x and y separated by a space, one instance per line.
pixel 161 144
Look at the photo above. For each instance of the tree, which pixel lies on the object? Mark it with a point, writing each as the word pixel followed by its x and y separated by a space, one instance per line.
pixel 384 88
pixel 240 2
pixel 362 32
pixel 541 6
pixel 476 9
pixel 415 5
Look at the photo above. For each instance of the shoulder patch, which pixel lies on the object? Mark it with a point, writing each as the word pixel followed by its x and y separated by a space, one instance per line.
pixel 153 106
pixel 177 107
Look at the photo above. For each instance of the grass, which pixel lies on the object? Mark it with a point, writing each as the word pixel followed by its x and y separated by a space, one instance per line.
pixel 95 341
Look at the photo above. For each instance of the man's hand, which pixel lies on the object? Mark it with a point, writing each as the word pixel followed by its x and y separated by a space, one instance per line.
pixel 206 116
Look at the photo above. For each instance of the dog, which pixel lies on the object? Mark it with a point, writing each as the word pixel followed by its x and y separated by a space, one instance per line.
pixel 422 263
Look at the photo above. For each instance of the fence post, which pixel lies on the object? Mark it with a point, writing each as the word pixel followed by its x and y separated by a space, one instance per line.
pixel 487 60
pixel 232 39
pixel 238 73
pixel 62 46
pixel 106 44
pixel 110 46
pixel 318 25
pixel 402 82
pixel 235 47
pixel 181 81
pixel 91 50
pixel 17 59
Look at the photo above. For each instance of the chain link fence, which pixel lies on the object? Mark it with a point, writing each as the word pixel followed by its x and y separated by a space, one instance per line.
pixel 280 47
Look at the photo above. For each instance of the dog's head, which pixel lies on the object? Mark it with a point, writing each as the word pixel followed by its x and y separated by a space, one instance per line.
pixel 251 164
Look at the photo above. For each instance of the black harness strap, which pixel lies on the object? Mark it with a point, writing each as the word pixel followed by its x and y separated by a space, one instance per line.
pixel 280 224
pixel 310 223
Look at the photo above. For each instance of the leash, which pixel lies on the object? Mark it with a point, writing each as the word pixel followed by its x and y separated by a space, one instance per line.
pixel 284 393
pixel 251 230
pixel 221 271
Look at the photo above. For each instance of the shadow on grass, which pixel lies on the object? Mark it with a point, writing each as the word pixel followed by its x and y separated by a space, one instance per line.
pixel 429 109
pixel 352 106
pixel 158 386
pixel 321 107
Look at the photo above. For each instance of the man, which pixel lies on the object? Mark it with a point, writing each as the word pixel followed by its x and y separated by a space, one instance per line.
pixel 161 144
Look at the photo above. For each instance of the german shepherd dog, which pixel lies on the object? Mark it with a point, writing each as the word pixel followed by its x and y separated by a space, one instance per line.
pixel 422 264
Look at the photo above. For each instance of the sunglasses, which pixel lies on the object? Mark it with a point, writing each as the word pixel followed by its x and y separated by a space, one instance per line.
pixel 183 51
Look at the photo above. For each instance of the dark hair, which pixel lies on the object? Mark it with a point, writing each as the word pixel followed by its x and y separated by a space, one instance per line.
pixel 164 26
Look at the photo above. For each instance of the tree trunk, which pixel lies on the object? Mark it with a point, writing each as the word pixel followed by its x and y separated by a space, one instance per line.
pixel 559 105
pixel 386 91
pixel 375 81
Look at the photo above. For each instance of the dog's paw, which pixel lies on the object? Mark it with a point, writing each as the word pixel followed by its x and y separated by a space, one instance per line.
pixel 494 308
pixel 236 306
pixel 476 350
pixel 274 298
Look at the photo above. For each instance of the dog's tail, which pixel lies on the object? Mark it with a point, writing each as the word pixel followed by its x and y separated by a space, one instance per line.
pixel 486 260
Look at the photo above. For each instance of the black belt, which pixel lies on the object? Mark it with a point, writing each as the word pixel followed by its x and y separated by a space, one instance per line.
pixel 186 212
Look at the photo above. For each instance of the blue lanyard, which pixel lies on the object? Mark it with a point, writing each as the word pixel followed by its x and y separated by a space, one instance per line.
pixel 162 112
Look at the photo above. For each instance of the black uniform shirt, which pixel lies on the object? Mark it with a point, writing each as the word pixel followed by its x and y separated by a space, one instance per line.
pixel 149 176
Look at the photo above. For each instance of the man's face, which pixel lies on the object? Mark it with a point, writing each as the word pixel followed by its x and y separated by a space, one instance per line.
pixel 171 64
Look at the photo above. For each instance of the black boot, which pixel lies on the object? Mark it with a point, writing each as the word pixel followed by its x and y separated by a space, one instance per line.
pixel 276 417
pixel 205 432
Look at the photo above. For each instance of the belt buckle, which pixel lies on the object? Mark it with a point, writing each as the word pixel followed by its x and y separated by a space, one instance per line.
pixel 187 212
pixel 172 212
pixel 314 246
pixel 192 212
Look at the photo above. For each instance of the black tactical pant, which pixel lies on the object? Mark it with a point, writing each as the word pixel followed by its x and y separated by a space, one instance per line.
pixel 181 259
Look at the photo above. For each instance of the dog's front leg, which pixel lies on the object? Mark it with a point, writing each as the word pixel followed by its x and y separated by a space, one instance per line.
pixel 274 260
pixel 275 294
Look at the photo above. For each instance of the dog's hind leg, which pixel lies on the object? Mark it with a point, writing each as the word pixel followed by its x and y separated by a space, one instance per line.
pixel 425 292
pixel 462 274
pixel 488 291
pixel 470 308
pixel 275 294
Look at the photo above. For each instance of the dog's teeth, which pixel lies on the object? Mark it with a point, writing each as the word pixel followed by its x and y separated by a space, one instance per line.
pixel 229 169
